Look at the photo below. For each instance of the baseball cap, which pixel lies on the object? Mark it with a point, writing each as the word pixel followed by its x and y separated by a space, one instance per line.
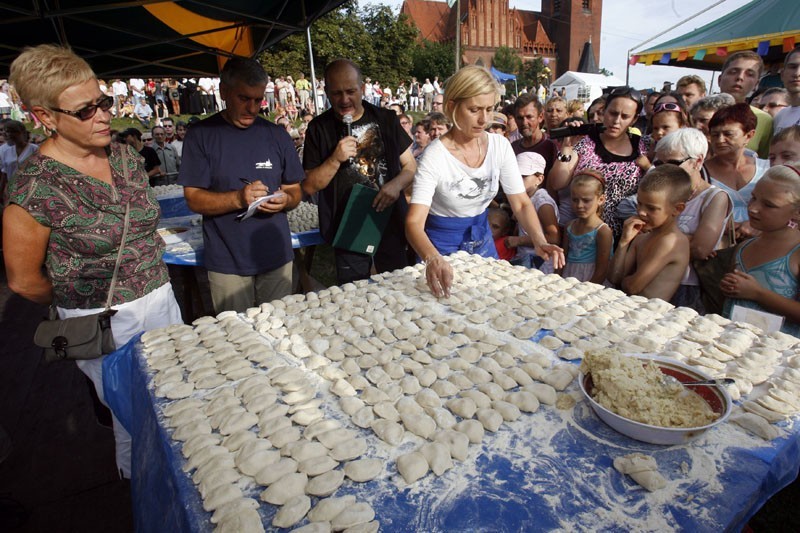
pixel 499 119
pixel 531 163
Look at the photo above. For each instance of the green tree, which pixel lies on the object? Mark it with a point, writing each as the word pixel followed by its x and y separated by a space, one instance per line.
pixel 393 43
pixel 606 72
pixel 289 57
pixel 433 59
pixel 507 60
pixel 533 73
pixel 340 33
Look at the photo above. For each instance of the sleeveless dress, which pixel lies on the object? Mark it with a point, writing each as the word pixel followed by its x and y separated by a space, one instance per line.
pixel 582 254
pixel 740 198
pixel 775 275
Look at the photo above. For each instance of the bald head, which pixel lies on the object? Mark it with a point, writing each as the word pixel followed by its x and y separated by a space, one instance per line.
pixel 343 85
pixel 337 66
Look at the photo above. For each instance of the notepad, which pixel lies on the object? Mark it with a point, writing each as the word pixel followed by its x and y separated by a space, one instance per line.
pixel 251 209
pixel 361 227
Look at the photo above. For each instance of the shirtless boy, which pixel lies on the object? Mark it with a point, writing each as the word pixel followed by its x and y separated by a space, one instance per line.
pixel 652 254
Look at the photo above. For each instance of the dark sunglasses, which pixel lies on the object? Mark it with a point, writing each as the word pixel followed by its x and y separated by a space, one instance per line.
pixel 85 113
pixel 626 91
pixel 676 162
pixel 666 106
pixel 630 92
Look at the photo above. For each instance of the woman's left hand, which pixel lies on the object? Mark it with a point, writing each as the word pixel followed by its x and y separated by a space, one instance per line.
pixel 551 252
pixel 737 284
pixel 439 275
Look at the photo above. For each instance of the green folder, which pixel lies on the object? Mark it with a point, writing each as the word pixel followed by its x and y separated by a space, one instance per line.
pixel 361 227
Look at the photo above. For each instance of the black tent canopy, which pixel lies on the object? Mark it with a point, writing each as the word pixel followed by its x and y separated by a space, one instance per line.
pixel 154 38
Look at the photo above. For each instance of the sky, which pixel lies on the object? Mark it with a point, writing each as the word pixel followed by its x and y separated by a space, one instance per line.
pixel 627 23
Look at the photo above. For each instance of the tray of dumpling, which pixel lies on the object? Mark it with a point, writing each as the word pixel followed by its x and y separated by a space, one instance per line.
pixel 643 398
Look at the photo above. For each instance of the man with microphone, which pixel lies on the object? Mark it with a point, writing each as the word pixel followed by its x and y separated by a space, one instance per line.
pixel 357 142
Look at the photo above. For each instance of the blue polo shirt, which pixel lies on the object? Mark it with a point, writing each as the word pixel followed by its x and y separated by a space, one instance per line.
pixel 216 157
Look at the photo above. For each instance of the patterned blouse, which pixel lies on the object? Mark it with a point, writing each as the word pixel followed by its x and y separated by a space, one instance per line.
pixel 86 218
pixel 621 172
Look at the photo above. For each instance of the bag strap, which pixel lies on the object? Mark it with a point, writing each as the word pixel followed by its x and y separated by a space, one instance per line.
pixel 119 256
pixel 124 232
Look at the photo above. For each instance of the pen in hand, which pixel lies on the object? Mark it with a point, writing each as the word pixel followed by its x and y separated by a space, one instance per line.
pixel 246 182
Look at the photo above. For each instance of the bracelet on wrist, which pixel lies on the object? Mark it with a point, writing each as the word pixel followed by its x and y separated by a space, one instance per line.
pixel 564 158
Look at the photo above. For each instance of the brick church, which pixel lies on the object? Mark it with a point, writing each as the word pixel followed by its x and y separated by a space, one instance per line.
pixel 559 33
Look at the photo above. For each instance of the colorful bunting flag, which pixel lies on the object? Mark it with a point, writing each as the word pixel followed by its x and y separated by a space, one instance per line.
pixel 665 58
pixel 683 55
pixel 722 51
pixel 699 55
pixel 763 48
pixel 788 44
pixel 634 60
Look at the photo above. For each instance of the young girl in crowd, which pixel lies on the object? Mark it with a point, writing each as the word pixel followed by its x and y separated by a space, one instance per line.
pixel 501 224
pixel 785 146
pixel 767 266
pixel 667 117
pixel 531 166
pixel 291 110
pixel 587 239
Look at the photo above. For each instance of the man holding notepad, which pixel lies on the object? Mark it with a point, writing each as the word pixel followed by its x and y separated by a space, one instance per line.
pixel 359 157
pixel 230 160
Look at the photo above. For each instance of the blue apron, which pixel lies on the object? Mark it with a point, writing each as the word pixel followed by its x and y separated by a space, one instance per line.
pixel 471 234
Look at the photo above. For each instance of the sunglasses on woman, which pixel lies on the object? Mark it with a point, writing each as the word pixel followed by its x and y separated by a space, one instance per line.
pixel 676 162
pixel 666 106
pixel 626 91
pixel 630 92
pixel 85 113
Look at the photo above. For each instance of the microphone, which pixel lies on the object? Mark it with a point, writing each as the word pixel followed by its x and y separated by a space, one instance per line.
pixel 348 120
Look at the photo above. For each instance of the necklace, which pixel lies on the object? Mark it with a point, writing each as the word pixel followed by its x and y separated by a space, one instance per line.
pixel 464 154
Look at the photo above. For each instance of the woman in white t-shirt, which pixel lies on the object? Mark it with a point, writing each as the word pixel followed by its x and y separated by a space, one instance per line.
pixel 458 176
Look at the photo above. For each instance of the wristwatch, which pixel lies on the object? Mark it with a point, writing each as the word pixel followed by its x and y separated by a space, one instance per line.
pixel 564 158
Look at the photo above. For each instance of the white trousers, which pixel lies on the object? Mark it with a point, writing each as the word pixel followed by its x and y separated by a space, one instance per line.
pixel 156 309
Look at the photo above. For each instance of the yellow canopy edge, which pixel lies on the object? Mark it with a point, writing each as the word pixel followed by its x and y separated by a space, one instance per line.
pixel 236 41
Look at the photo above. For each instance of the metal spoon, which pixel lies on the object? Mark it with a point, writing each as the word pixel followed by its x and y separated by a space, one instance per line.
pixel 671 380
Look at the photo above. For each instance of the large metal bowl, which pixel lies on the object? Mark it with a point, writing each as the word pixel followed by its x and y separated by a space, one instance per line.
pixel 716 397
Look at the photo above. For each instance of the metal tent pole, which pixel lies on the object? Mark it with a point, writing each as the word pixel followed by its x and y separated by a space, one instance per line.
pixel 317 107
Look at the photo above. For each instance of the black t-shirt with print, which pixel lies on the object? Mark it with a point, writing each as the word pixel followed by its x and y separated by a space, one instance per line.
pixel 381 141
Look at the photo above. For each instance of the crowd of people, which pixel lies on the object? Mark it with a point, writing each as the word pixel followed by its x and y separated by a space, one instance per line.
pixel 667 196
pixel 679 195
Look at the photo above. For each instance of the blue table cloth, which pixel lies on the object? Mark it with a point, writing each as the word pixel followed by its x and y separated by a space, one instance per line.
pixel 548 470
pixel 174 205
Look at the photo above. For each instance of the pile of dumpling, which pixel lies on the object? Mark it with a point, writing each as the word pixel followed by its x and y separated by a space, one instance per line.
pixel 171 190
pixel 304 217
pixel 288 395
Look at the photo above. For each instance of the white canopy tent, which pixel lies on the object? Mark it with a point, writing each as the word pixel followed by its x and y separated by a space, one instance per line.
pixel 582 86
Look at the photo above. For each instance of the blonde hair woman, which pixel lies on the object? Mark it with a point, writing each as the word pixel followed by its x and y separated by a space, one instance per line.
pixel 66 210
pixel 458 176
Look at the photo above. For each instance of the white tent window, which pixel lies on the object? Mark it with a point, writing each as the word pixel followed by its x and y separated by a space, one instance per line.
pixel 584 93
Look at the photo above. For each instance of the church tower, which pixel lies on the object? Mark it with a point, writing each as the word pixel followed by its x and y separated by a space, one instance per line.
pixel 570 25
